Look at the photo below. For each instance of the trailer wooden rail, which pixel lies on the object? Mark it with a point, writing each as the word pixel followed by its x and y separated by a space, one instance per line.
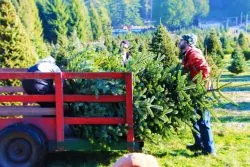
pixel 53 126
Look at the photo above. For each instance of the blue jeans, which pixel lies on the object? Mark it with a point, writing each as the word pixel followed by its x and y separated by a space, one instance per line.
pixel 203 133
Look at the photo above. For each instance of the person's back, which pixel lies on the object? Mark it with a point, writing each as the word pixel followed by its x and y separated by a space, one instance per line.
pixel 194 61
pixel 41 86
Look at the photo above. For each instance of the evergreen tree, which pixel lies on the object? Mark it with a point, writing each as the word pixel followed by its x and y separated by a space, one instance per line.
pixel 28 14
pixel 215 70
pixel 116 10
pixel 63 53
pixel 112 45
pixel 213 48
pixel 132 13
pixel 225 43
pixel 16 49
pixel 202 9
pixel 105 18
pixel 242 41
pixel 162 45
pixel 238 64
pixel 125 12
pixel 162 102
pixel 95 22
pixel 175 14
pixel 145 9
pixel 246 54
pixel 55 16
pixel 200 42
pixel 80 21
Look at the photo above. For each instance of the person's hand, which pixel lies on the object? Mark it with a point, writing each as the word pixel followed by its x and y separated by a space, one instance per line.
pixel 209 84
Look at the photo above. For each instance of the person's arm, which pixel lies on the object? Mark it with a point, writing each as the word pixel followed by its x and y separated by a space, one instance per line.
pixel 199 63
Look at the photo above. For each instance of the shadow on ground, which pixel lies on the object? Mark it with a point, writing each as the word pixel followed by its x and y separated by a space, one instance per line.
pixel 242 106
pixel 180 152
pixel 80 159
pixel 160 154
pixel 239 119
pixel 234 78
pixel 237 89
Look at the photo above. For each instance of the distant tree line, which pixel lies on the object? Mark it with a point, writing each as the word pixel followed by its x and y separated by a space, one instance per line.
pixel 176 14
pixel 221 9
pixel 172 13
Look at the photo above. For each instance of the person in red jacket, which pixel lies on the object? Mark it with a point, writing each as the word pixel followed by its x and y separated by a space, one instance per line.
pixel 195 63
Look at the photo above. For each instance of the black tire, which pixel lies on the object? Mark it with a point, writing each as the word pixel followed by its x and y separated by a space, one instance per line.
pixel 22 145
pixel 42 139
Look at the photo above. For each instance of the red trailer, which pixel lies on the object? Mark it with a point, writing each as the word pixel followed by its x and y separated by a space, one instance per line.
pixel 27 133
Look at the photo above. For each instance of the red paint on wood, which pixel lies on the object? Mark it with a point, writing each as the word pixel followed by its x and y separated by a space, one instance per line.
pixel 27 98
pixel 93 98
pixel 129 107
pixel 59 107
pixel 94 75
pixel 47 125
pixel 94 121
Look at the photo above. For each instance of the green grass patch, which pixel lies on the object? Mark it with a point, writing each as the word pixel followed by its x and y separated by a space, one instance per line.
pixel 82 159
pixel 225 116
pixel 232 141
pixel 240 107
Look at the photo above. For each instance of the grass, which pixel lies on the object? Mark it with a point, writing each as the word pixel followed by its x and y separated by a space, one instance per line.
pixel 225 116
pixel 232 145
pixel 82 159
pixel 232 140
pixel 231 133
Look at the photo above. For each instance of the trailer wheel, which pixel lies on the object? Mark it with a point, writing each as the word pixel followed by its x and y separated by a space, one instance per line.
pixel 22 145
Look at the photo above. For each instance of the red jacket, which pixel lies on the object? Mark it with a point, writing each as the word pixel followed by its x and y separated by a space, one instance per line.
pixel 195 62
